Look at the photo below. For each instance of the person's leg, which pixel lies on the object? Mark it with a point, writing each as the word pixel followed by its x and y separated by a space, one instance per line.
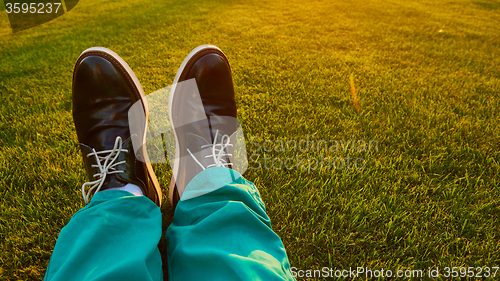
pixel 220 229
pixel 116 236
pixel 224 234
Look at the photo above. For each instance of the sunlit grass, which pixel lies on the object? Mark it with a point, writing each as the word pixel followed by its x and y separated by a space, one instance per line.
pixel 426 79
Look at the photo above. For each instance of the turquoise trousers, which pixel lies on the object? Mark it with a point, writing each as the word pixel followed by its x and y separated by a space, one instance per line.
pixel 220 231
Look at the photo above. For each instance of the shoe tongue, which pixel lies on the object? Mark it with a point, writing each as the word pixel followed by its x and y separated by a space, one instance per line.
pixel 224 125
pixel 204 132
pixel 105 138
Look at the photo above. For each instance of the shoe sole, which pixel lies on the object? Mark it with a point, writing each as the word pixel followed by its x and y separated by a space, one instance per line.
pixel 193 56
pixel 115 59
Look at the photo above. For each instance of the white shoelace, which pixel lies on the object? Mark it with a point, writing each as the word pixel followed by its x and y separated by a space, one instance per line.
pixel 218 154
pixel 107 168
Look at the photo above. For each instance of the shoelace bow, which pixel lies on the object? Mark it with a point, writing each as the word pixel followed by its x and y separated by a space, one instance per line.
pixel 107 168
pixel 218 150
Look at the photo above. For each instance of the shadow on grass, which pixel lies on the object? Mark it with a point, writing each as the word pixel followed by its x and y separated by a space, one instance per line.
pixel 489 5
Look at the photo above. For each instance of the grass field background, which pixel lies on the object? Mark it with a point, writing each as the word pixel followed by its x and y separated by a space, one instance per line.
pixel 427 78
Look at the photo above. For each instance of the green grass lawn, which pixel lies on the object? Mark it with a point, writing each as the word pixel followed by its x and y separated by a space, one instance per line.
pixel 427 78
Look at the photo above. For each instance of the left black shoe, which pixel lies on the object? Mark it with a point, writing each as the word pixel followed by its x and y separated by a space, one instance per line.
pixel 104 90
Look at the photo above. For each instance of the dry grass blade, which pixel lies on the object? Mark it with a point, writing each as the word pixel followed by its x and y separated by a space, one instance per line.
pixel 354 94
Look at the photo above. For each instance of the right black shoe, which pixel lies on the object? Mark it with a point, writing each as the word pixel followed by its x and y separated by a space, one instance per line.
pixel 202 119
pixel 104 90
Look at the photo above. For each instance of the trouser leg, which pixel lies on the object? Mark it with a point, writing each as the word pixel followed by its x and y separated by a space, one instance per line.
pixel 114 237
pixel 224 233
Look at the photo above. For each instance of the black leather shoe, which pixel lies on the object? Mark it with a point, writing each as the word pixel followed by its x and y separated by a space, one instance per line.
pixel 203 118
pixel 104 89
